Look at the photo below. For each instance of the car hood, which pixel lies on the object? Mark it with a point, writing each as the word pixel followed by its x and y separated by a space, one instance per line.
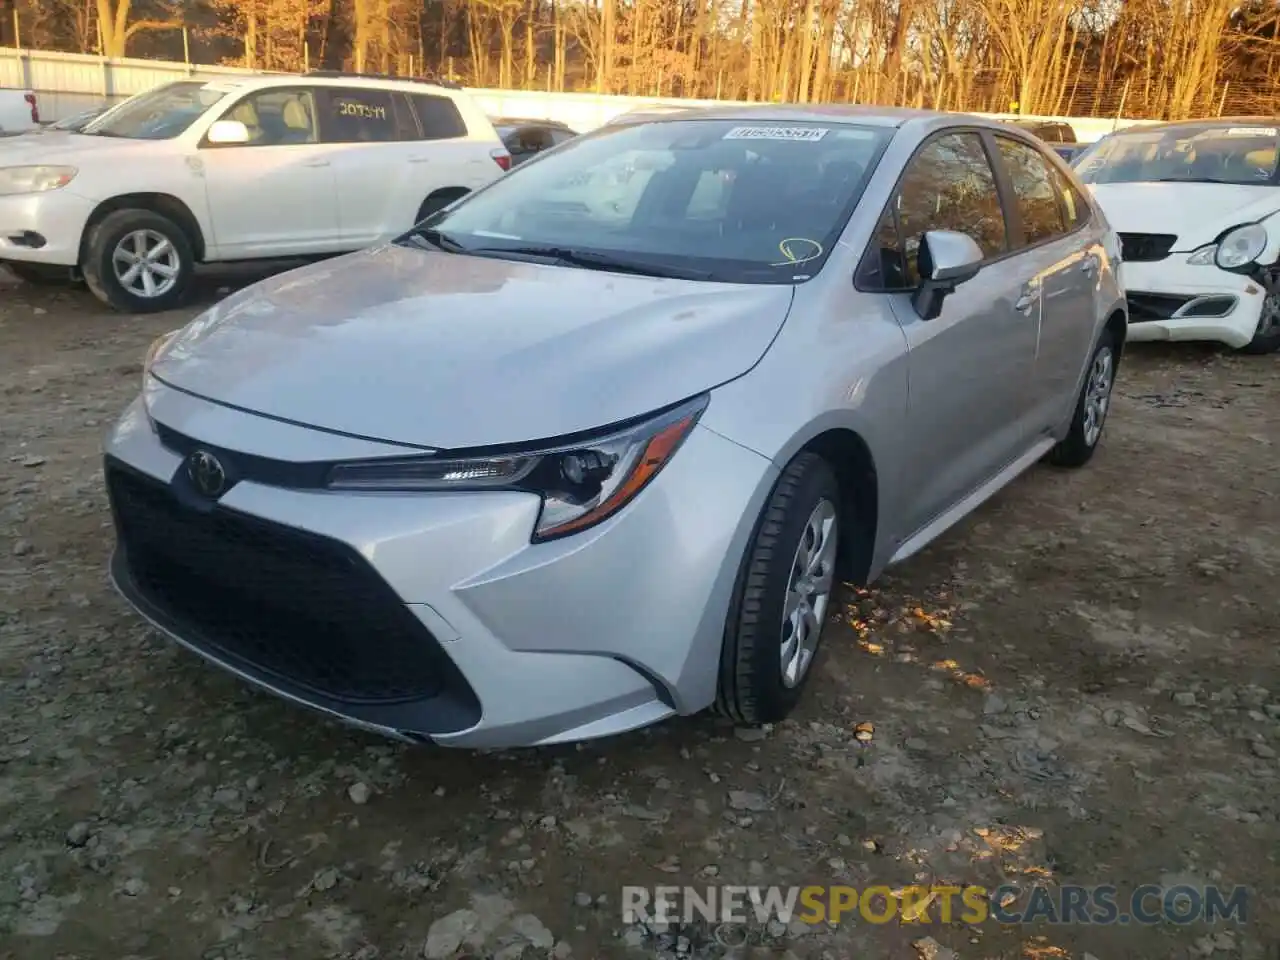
pixel 1195 212
pixel 447 351
pixel 60 146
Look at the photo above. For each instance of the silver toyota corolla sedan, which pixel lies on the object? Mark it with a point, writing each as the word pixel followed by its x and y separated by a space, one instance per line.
pixel 593 446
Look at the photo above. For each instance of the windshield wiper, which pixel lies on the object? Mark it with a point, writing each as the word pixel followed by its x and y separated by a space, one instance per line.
pixel 438 239
pixel 591 260
pixel 1190 180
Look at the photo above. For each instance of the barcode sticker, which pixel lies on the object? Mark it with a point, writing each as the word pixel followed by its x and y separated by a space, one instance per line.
pixel 1251 132
pixel 809 134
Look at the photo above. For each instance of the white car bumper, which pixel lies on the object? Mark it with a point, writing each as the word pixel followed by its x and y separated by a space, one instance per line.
pixel 43 227
pixel 430 616
pixel 1172 300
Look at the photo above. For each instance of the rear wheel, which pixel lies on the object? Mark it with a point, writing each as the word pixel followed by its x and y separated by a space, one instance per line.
pixel 438 200
pixel 138 261
pixel 1092 407
pixel 784 592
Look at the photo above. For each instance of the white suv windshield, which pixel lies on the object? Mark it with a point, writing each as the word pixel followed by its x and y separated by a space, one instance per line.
pixel 1217 152
pixel 733 200
pixel 157 114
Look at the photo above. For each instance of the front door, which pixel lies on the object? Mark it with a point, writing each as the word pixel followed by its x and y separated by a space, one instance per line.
pixel 275 195
pixel 970 367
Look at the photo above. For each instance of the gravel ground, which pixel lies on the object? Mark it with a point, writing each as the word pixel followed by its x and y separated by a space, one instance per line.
pixel 1081 685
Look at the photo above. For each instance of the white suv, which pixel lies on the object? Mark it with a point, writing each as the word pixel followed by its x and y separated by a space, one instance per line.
pixel 244 169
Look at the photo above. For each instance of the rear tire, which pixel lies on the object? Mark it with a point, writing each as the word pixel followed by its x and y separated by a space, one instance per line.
pixel 40 275
pixel 761 681
pixel 438 200
pixel 138 261
pixel 1092 406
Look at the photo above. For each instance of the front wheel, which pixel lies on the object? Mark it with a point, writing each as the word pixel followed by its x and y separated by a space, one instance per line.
pixel 784 592
pixel 138 261
pixel 1266 339
pixel 1092 406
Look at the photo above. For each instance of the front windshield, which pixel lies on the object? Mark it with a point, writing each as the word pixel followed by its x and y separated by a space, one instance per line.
pixel 159 114
pixel 724 200
pixel 1220 152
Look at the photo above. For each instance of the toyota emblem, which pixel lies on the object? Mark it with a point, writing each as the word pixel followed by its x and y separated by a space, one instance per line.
pixel 207 473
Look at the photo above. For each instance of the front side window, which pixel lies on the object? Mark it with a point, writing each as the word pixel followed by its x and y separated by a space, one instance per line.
pixel 276 118
pixel 1209 152
pixel 733 200
pixel 362 116
pixel 1039 204
pixel 160 114
pixel 949 185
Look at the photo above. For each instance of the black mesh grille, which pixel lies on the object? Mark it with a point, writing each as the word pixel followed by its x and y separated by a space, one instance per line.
pixel 1140 247
pixel 305 610
pixel 1154 306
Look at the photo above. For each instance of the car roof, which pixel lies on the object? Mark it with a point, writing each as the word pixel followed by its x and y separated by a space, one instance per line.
pixel 870 115
pixel 1203 121
pixel 264 81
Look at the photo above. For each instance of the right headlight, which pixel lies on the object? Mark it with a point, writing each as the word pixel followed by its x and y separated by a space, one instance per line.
pixel 35 179
pixel 1241 246
pixel 581 484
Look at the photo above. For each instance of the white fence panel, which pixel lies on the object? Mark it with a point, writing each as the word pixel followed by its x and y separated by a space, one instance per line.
pixel 67 83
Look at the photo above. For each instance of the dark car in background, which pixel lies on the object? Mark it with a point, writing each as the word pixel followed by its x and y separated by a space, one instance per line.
pixel 527 138
pixel 1059 135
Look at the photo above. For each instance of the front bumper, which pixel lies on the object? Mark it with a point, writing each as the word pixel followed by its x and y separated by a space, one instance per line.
pixel 43 227
pixel 1172 300
pixel 432 617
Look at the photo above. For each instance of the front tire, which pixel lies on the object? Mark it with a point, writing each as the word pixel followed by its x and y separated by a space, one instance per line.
pixel 138 261
pixel 1092 406
pixel 1266 339
pixel 784 593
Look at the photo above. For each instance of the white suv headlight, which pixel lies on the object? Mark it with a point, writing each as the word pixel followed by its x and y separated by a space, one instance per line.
pixel 15 180
pixel 1205 256
pixel 1242 246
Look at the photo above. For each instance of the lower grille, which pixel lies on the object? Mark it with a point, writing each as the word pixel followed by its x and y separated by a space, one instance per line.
pixel 306 611
pixel 1154 306
pixel 1145 247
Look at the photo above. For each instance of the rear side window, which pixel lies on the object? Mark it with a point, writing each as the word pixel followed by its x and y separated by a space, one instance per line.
pixel 1039 204
pixel 362 116
pixel 439 117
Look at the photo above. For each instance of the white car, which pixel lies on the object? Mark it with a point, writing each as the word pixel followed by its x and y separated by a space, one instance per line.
pixel 1195 204
pixel 19 111
pixel 244 169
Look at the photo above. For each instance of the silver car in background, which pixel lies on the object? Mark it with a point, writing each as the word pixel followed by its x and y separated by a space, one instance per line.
pixel 587 450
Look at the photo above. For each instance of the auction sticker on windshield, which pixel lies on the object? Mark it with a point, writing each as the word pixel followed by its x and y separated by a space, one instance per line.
pixel 777 133
pixel 1251 132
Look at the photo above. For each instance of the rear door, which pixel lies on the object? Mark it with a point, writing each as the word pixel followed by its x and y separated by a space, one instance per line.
pixel 970 367
pixel 373 138
pixel 1054 236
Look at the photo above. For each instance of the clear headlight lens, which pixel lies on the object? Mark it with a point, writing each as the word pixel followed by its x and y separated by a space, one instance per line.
pixel 15 180
pixel 1205 256
pixel 1242 246
pixel 581 484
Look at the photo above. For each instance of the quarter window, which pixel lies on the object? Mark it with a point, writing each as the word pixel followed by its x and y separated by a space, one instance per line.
pixel 363 116
pixel 949 185
pixel 1075 208
pixel 439 117
pixel 1039 203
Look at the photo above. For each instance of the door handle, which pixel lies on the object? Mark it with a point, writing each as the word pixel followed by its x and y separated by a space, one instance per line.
pixel 316 163
pixel 1089 265
pixel 1028 299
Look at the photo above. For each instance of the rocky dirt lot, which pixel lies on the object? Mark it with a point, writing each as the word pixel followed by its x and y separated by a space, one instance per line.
pixel 1081 686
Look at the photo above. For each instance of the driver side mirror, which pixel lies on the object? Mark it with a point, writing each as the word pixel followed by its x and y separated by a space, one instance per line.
pixel 225 133
pixel 946 259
